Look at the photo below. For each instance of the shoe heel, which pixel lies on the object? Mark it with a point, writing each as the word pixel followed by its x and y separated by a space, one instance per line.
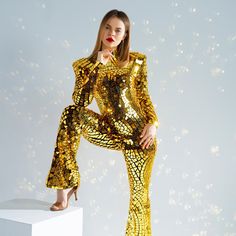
pixel 75 193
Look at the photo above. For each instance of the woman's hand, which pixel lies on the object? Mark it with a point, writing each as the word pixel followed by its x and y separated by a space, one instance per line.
pixel 147 136
pixel 104 56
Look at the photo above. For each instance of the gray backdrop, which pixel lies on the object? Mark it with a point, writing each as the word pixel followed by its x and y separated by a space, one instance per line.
pixel 191 53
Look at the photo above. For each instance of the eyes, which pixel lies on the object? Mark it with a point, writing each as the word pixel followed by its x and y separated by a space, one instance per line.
pixel 117 31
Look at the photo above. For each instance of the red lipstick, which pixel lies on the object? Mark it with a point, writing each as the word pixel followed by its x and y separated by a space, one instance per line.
pixel 110 39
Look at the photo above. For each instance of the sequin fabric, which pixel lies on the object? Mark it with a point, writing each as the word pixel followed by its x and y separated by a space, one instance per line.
pixel 125 108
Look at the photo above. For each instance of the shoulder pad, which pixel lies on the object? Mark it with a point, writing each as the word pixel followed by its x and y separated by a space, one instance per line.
pixel 138 57
pixel 82 62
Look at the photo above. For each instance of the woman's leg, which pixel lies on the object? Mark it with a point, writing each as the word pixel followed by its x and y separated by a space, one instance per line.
pixel 139 164
pixel 98 130
pixel 74 121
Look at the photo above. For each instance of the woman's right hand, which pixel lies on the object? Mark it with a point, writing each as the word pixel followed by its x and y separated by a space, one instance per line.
pixel 104 56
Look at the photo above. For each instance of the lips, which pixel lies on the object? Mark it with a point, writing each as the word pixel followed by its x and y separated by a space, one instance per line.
pixel 110 39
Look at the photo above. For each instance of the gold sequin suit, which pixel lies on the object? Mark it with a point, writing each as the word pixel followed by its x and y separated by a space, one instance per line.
pixel 125 106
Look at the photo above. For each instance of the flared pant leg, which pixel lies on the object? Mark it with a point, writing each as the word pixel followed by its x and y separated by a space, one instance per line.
pixel 76 120
pixel 139 164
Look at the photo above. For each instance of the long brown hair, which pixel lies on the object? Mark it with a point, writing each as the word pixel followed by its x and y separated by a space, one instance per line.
pixel 123 47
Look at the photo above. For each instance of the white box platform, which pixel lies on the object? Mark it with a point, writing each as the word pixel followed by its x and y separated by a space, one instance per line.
pixel 30 217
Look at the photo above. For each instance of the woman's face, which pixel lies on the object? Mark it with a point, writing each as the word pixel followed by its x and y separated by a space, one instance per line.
pixel 113 29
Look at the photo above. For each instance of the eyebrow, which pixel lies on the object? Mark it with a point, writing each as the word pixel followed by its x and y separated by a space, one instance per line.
pixel 116 27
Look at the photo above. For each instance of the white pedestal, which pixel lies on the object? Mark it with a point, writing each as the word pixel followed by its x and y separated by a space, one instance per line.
pixel 29 217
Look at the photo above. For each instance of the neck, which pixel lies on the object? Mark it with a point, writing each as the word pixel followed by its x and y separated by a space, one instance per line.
pixel 110 49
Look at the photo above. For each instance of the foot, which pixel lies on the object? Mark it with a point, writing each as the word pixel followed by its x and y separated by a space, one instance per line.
pixel 61 202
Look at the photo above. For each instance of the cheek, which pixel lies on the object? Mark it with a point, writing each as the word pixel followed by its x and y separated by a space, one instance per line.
pixel 104 33
pixel 119 37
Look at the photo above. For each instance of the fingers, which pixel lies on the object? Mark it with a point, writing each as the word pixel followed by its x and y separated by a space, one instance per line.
pixel 143 137
pixel 149 143
pixel 143 132
pixel 146 141
pixel 107 55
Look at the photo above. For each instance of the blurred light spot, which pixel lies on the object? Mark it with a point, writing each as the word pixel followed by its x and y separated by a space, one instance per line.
pixel 215 150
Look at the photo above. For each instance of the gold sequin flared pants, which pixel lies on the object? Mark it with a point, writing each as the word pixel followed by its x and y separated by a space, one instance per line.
pixel 99 130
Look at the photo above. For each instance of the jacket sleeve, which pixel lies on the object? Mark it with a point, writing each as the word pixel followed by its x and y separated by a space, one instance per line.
pixel 142 94
pixel 85 78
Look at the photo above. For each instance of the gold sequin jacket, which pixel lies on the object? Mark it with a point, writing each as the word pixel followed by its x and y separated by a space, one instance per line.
pixel 119 92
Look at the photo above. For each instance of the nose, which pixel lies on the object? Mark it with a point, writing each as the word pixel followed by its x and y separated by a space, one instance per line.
pixel 111 33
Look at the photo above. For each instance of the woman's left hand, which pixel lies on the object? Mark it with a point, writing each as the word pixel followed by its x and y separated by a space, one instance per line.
pixel 147 136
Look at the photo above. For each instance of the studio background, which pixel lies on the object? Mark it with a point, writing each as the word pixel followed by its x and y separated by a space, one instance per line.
pixel 190 46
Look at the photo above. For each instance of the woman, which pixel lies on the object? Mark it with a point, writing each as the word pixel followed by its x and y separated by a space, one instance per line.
pixel 117 78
